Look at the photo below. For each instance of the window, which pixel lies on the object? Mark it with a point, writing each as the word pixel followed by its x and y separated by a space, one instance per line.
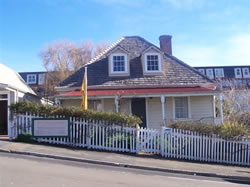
pixel 202 71
pixel 95 105
pixel 31 78
pixel 219 72
pixel 181 107
pixel 152 62
pixel 237 72
pixel 119 63
pixel 210 73
pixel 245 72
pixel 41 79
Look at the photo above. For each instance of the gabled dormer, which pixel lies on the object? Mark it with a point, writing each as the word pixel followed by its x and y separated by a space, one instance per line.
pixel 152 61
pixel 118 62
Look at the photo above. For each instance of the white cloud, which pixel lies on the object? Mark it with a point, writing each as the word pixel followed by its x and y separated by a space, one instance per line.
pixel 234 50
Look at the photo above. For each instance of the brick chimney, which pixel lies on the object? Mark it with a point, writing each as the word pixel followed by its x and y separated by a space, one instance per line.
pixel 166 44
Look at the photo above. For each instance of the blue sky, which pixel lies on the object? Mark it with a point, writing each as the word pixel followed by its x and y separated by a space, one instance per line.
pixel 205 32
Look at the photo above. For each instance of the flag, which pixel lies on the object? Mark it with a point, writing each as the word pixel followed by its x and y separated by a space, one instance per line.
pixel 84 104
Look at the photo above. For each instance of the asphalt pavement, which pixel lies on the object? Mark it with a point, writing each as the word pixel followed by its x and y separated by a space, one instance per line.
pixel 123 160
pixel 30 171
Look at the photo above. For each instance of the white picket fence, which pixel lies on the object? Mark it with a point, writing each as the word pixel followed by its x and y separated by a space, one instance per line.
pixel 169 143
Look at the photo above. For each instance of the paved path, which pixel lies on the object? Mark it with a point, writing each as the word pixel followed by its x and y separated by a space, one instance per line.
pixel 26 171
pixel 126 159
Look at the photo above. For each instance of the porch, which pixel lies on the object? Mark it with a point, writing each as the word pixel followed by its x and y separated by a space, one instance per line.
pixel 157 111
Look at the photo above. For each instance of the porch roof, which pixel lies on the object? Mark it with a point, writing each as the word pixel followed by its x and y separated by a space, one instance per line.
pixel 144 91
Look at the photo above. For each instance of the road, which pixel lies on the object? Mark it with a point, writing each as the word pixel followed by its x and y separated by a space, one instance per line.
pixel 20 171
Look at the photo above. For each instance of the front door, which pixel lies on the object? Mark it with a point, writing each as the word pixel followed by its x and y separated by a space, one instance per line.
pixel 3 117
pixel 139 109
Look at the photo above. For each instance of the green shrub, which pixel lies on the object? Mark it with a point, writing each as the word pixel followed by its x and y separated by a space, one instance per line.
pixel 27 138
pixel 230 129
pixel 50 111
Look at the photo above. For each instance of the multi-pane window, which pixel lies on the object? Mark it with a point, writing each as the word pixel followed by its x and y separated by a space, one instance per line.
pixel 152 62
pixel 210 73
pixel 202 71
pixel 237 72
pixel 31 78
pixel 219 72
pixel 118 63
pixel 181 107
pixel 41 79
pixel 245 72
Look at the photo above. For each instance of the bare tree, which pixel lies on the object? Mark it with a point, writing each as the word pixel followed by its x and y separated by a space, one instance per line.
pixel 236 101
pixel 62 58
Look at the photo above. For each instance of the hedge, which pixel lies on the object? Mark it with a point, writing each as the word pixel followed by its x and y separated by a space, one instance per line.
pixel 23 107
pixel 230 129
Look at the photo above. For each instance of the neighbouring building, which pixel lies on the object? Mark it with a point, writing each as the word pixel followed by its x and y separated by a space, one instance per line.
pixel 238 76
pixel 37 81
pixel 12 89
pixel 136 77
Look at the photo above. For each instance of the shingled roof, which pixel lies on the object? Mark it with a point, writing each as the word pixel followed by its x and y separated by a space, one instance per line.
pixel 175 72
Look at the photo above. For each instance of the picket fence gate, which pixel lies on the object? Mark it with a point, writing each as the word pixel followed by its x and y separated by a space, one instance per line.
pixel 169 143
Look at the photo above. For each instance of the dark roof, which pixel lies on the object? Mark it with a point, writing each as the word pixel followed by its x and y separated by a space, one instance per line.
pixel 24 74
pixel 176 73
pixel 228 70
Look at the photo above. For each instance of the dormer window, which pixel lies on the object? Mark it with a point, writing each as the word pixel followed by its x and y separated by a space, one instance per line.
pixel 246 73
pixel 237 72
pixel 31 78
pixel 219 73
pixel 118 64
pixel 152 62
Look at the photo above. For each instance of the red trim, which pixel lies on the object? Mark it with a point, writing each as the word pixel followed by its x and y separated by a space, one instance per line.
pixel 136 91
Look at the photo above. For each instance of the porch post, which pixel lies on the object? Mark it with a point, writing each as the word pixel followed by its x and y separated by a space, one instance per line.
pixel 116 103
pixel 163 108
pixel 221 107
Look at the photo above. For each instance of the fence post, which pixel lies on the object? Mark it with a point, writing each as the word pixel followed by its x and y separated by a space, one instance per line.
pixel 162 140
pixel 137 140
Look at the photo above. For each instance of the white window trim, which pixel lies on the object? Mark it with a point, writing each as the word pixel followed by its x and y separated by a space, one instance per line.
pixel 125 63
pixel 207 70
pixel 202 71
pixel 31 82
pixel 189 109
pixel 222 72
pixel 39 81
pixel 235 73
pixel 243 71
pixel 146 65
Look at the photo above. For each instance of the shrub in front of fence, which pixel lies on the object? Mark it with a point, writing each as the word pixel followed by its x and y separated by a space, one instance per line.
pixel 230 129
pixel 27 138
pixel 23 107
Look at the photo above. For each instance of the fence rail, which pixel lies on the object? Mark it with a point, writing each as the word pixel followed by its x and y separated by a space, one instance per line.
pixel 169 143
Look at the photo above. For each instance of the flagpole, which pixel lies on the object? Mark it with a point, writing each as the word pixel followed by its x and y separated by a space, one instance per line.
pixel 86 86
pixel 86 79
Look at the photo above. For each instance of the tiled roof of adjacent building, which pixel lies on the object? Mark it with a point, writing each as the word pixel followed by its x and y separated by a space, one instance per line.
pixel 175 72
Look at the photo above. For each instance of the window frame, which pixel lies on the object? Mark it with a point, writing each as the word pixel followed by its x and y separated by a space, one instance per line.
pixel 146 63
pixel 207 70
pixel 235 73
pixel 222 72
pixel 39 81
pixel 125 63
pixel 188 109
pixel 202 71
pixel 31 82
pixel 243 72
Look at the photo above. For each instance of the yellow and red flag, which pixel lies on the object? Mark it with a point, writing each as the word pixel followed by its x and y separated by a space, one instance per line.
pixel 84 104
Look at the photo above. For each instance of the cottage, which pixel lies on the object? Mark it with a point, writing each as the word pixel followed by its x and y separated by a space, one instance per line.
pixel 136 77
